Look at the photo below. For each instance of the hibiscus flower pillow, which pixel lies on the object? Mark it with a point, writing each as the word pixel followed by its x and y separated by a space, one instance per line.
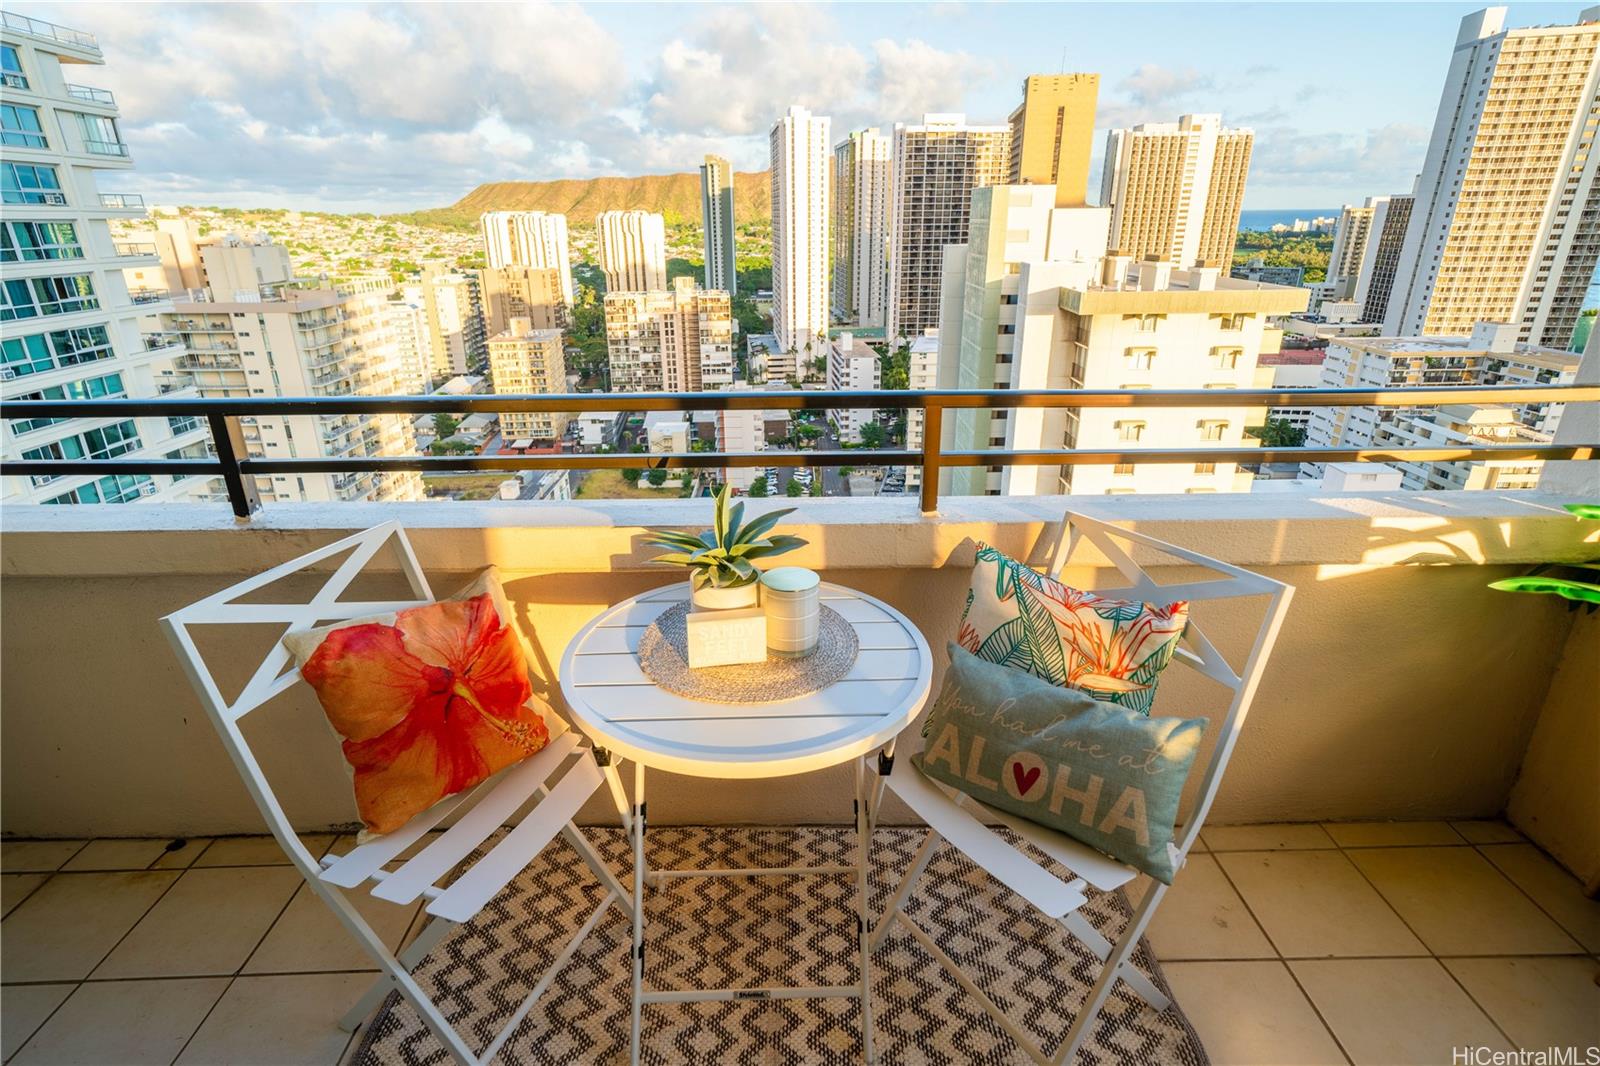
pixel 1112 649
pixel 429 701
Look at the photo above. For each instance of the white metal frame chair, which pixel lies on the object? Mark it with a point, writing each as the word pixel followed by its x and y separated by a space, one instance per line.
pixel 964 822
pixel 479 812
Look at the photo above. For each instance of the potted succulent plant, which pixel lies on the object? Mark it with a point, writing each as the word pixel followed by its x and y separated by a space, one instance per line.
pixel 722 574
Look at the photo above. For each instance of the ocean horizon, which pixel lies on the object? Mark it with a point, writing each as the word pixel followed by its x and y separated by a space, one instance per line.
pixel 1265 220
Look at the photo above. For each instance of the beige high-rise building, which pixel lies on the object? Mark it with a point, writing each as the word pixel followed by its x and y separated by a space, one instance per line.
pixel 528 239
pixel 1175 189
pixel 937 164
pixel 453 305
pixel 861 173
pixel 533 293
pixel 523 359
pixel 1506 223
pixel 1052 135
pixel 716 221
pixel 633 250
pixel 407 324
pixel 680 340
pixel 1386 237
pixel 800 146
pixel 1350 236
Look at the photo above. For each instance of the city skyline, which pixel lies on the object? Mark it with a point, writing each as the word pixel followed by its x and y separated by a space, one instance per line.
pixel 545 93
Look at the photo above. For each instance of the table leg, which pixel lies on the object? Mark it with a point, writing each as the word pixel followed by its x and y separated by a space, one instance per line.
pixel 638 907
pixel 863 921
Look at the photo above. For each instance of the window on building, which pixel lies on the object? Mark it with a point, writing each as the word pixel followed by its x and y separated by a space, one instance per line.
pixel 110 385
pixel 1122 470
pixel 118 488
pixel 1233 322
pixel 25 242
pixel 1205 468
pixel 1212 429
pixel 1140 358
pixel 1226 358
pixel 32 297
pixel 1130 430
pixel 102 442
pixel 100 134
pixel 11 68
pixel 19 127
pixel 20 356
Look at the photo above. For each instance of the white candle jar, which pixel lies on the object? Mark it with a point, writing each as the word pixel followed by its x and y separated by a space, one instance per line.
pixel 791 597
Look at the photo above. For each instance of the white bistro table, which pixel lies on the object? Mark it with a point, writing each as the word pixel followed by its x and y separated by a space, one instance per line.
pixel 628 717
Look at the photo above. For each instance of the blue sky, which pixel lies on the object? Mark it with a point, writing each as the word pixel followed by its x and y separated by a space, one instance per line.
pixel 388 107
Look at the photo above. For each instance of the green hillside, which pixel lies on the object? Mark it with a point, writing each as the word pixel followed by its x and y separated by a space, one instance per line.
pixel 676 196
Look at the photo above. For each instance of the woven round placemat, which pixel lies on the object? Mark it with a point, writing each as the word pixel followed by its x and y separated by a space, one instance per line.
pixel 664 657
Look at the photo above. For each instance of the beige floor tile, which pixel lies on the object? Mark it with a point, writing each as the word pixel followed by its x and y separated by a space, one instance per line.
pixel 346 843
pixel 14 888
pixel 1490 831
pixel 309 937
pixel 1201 917
pixel 23 1008
pixel 1540 1002
pixel 258 851
pixel 1459 904
pixel 1316 903
pixel 1551 887
pixel 208 924
pixel 1275 837
pixel 61 931
pixel 1251 1014
pixel 1391 834
pixel 123 1022
pixel 36 856
pixel 1389 1011
pixel 182 857
pixel 278 1021
pixel 117 855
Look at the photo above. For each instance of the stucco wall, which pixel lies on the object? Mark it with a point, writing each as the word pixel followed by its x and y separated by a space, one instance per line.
pixel 1400 688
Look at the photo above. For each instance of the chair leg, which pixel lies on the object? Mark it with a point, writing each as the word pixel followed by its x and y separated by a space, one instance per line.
pixel 414 953
pixel 1115 967
pixel 863 890
pixel 903 892
pixel 638 910
pixel 1077 925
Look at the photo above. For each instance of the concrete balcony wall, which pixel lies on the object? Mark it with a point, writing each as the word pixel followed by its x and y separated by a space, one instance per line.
pixel 1401 686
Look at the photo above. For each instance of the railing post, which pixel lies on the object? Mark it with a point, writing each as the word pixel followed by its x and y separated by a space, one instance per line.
pixel 932 434
pixel 228 438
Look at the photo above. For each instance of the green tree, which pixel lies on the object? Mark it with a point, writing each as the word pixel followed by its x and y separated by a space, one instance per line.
pixel 759 488
pixel 658 476
pixel 1278 433
pixel 794 488
pixel 444 425
pixel 872 435
pixel 631 476
pixel 816 486
pixel 895 367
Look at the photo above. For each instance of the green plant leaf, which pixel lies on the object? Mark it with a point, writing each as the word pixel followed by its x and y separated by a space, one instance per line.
pixel 759 527
pixel 750 550
pixel 785 543
pixel 676 558
pixel 666 538
pixel 743 569
pixel 730 535
pixel 1590 511
pixel 1577 591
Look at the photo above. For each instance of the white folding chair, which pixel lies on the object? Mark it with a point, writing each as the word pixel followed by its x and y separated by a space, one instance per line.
pixel 479 812
pixel 963 821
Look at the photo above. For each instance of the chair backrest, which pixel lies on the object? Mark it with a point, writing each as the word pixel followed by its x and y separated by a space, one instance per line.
pixel 1195 650
pixel 276 674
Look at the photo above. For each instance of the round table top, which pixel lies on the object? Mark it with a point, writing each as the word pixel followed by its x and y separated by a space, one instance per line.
pixel 622 710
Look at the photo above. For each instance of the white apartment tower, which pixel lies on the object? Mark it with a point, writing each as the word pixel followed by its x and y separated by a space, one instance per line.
pixel 407 323
pixel 800 156
pixel 936 166
pixel 1506 224
pixel 524 360
pixel 716 222
pixel 69 326
pixel 675 341
pixel 528 239
pixel 1386 236
pixel 1351 235
pixel 452 304
pixel 1175 189
pixel 861 191
pixel 633 250
pixel 852 367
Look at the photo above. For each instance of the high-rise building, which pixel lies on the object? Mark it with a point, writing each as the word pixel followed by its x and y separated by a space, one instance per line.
pixel 292 337
pixel 922 373
pixel 1175 189
pixel 679 340
pixel 525 360
pixel 716 224
pixel 453 304
pixel 1490 355
pixel 1032 303
pixel 407 324
pixel 1506 225
pixel 800 154
pixel 633 250
pixel 533 293
pixel 1462 426
pixel 852 367
pixel 861 229
pixel 69 324
pixel 1052 134
pixel 1385 239
pixel 936 166
pixel 528 239
pixel 1350 238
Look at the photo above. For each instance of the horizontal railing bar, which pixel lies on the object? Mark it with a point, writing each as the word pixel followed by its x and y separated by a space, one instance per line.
pixel 802 400
pixel 744 460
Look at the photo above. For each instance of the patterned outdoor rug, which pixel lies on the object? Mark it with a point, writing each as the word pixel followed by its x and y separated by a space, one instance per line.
pixel 773 931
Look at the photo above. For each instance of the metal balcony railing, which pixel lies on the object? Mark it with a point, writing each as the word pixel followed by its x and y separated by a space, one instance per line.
pixel 238 470
pixel 49 31
pixel 122 201
pixel 91 94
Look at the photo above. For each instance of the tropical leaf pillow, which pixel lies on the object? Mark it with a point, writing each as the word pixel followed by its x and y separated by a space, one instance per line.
pixel 1113 649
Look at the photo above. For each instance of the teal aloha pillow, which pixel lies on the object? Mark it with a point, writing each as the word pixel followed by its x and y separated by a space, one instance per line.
pixel 1105 775
pixel 1113 649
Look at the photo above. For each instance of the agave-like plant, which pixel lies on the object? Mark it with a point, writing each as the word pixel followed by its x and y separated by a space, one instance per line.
pixel 722 557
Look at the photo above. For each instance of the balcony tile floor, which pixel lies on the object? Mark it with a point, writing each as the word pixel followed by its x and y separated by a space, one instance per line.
pixel 1344 943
